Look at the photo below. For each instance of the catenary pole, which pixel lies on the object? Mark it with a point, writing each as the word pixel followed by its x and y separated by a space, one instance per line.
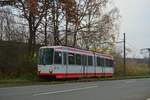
pixel 124 62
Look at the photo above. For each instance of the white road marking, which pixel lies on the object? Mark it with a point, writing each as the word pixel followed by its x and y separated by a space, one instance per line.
pixel 62 91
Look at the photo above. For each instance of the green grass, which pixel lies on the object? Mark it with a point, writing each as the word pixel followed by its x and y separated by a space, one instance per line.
pixel 14 81
pixel 132 69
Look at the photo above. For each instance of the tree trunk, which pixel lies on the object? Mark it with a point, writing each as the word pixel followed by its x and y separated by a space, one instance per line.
pixel 66 35
pixel 45 30
pixel 32 38
pixel 55 15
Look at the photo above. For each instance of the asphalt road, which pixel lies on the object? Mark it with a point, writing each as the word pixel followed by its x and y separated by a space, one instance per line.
pixel 135 89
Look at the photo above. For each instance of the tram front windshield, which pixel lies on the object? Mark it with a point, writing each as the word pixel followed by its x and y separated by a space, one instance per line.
pixel 45 56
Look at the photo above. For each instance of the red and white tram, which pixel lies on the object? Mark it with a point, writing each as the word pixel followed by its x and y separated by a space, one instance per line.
pixel 67 62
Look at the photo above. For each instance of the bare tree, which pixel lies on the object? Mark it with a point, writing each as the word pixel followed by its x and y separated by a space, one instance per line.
pixel 33 11
pixel 11 29
pixel 78 23
pixel 97 25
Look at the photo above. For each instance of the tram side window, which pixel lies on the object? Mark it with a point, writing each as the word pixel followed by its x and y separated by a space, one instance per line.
pixel 78 59
pixel 90 61
pixel 65 58
pixel 71 58
pixel 58 57
pixel 102 62
pixel 109 63
pixel 84 60
pixel 98 61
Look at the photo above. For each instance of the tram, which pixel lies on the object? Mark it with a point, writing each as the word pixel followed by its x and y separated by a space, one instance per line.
pixel 67 62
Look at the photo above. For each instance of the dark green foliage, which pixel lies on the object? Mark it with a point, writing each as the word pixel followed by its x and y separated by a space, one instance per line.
pixel 14 60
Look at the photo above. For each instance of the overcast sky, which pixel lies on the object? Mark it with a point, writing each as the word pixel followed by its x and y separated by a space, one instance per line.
pixel 135 22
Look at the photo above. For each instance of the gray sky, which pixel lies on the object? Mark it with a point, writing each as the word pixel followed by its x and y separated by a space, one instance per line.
pixel 135 22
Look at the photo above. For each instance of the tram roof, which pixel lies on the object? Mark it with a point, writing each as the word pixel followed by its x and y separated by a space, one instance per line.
pixel 78 50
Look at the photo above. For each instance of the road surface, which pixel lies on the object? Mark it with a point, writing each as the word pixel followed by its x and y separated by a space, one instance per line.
pixel 133 89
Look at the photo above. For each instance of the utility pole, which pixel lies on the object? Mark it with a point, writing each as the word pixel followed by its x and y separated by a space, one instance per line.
pixel 124 61
pixel 124 54
pixel 148 49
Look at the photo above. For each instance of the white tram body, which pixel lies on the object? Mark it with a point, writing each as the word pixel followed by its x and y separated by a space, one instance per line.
pixel 67 62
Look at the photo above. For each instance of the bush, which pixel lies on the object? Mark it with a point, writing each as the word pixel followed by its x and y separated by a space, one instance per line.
pixel 132 69
pixel 14 60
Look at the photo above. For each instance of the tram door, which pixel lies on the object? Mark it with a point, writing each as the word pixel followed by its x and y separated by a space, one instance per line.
pixel 65 64
pixel 84 64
